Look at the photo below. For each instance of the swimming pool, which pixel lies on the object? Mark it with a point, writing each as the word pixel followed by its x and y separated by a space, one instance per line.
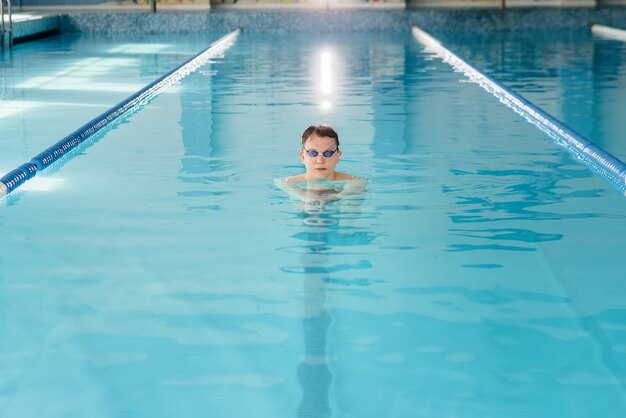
pixel 161 273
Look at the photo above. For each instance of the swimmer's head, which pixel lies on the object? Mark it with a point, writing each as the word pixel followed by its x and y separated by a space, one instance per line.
pixel 320 131
pixel 320 152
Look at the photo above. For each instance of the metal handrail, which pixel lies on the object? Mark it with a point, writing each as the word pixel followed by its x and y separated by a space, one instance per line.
pixel 2 25
pixel 10 24
pixel 4 29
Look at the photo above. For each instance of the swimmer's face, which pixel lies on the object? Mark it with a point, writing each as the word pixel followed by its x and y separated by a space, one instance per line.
pixel 320 167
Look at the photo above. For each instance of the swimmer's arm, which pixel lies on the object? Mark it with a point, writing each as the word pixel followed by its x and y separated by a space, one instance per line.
pixel 353 186
pixel 289 185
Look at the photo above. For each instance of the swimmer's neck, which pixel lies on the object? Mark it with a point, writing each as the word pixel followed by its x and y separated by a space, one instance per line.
pixel 318 181
pixel 335 176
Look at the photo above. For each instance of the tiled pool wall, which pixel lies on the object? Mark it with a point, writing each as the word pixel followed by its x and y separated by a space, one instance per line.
pixel 341 21
pixel 24 29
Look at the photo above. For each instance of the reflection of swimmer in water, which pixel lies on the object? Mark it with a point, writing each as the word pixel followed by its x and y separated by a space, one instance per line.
pixel 320 183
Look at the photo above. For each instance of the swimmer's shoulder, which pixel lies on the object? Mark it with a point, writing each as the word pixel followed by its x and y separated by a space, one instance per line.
pixel 301 178
pixel 290 181
pixel 339 176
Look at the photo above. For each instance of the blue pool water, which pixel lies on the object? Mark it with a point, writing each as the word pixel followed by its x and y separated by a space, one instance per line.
pixel 574 76
pixel 159 272
pixel 55 85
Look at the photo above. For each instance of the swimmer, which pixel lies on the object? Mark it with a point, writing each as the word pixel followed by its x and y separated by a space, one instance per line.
pixel 321 182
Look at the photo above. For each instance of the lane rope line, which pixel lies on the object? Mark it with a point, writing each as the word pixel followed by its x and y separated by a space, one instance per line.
pixel 15 178
pixel 584 150
pixel 609 32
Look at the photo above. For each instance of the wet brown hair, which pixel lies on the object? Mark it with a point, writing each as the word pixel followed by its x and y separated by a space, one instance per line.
pixel 320 131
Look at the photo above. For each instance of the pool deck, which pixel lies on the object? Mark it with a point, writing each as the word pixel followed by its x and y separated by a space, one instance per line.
pixel 29 25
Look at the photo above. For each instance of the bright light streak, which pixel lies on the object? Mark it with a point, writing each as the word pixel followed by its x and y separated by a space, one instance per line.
pixel 326 86
pixel 84 67
pixel 138 48
pixel 75 84
pixel 10 108
pixel 42 184
pixel 326 72
pixel 326 76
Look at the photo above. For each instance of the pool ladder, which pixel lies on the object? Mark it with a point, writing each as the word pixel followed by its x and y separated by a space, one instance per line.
pixel 7 29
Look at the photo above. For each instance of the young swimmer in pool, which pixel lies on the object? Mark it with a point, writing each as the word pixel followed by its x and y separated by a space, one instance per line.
pixel 320 182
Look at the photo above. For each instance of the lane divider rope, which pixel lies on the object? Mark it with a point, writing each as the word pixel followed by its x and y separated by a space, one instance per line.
pixel 15 178
pixel 590 154
pixel 609 32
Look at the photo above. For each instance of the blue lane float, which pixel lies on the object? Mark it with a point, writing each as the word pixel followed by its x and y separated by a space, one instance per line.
pixel 15 178
pixel 590 154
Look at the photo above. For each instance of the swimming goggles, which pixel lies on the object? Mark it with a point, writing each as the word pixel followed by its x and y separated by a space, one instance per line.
pixel 313 153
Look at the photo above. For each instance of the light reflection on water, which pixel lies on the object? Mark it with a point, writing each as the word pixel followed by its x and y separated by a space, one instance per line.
pixel 327 230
